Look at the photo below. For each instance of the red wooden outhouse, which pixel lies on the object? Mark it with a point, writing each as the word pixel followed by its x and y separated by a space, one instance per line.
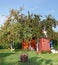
pixel 44 45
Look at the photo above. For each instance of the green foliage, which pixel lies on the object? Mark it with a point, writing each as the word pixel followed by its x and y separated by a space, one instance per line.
pixel 4 46
pixel 55 44
pixel 17 45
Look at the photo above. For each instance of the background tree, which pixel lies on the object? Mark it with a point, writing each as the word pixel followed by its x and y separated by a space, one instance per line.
pixel 19 26
pixel 49 23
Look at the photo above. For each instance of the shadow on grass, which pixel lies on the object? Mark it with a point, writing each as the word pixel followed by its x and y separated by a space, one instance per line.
pixel 17 50
pixel 3 55
pixel 40 61
pixel 48 62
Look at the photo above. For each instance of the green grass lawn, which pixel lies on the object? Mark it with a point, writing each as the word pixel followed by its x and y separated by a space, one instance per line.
pixel 8 58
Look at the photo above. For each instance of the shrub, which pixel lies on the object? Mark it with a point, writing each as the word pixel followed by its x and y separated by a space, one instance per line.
pixel 4 46
pixel 17 45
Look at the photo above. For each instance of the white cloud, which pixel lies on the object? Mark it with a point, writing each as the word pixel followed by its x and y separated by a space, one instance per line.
pixel 50 11
pixel 53 11
pixel 2 20
pixel 34 8
pixel 55 29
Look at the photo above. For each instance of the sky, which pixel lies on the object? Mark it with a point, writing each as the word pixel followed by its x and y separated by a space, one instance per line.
pixel 43 7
